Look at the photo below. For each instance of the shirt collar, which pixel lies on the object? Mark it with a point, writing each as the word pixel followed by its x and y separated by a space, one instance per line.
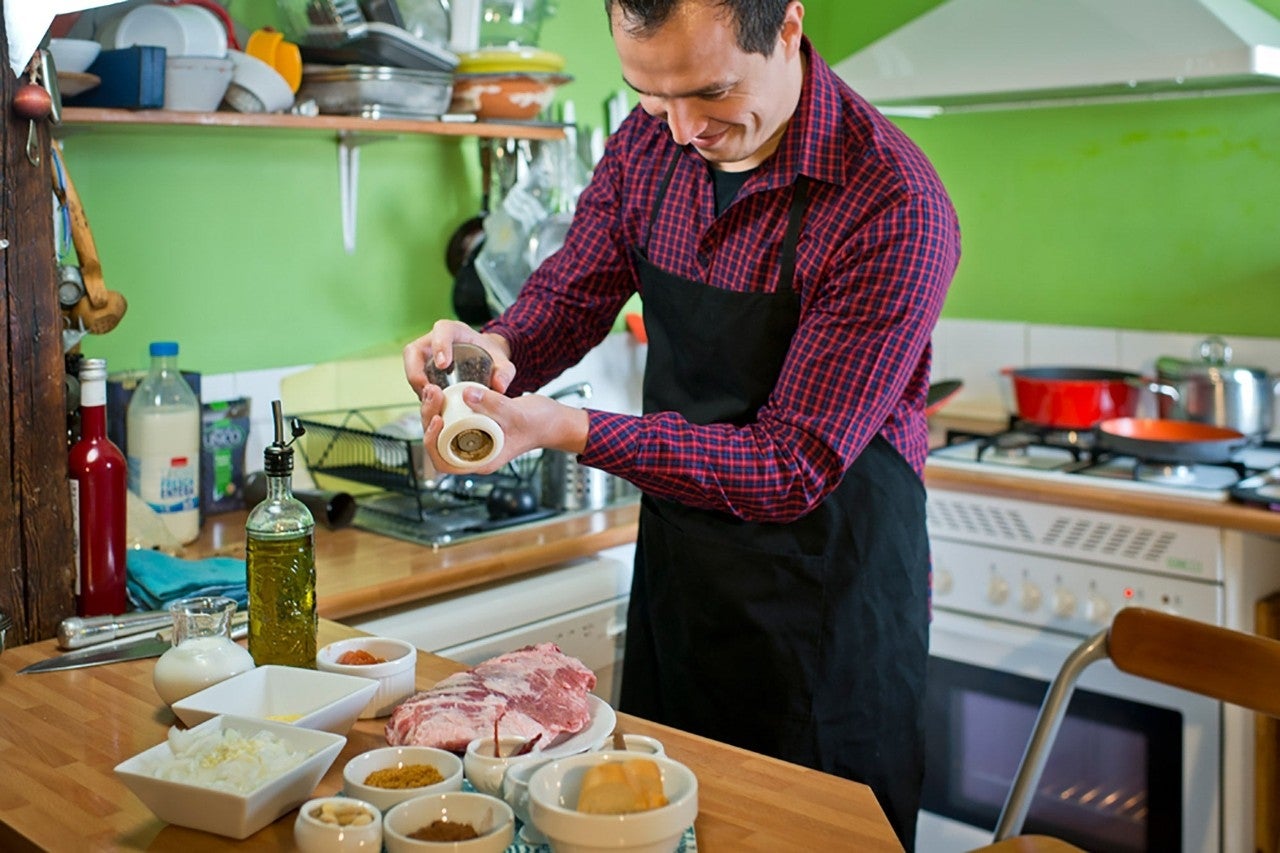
pixel 812 143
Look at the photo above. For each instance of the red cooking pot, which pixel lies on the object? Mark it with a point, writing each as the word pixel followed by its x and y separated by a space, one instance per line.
pixel 1074 397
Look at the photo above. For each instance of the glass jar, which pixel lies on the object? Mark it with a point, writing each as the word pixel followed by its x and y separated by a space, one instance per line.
pixel 203 652
pixel 513 22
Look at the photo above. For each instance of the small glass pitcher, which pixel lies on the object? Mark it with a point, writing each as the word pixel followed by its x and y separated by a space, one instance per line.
pixel 203 652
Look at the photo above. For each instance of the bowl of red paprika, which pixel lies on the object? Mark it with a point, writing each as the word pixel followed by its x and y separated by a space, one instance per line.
pixel 390 662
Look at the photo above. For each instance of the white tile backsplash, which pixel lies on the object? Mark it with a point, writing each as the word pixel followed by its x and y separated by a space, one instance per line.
pixel 976 351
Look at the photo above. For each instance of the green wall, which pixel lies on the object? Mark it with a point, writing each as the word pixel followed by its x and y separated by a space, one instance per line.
pixel 1160 215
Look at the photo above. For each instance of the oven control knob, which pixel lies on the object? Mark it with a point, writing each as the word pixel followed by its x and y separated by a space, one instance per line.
pixel 943 582
pixel 998 590
pixel 1064 603
pixel 1030 597
pixel 1097 609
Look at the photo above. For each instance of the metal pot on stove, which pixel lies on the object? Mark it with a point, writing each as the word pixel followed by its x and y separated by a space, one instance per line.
pixel 1213 390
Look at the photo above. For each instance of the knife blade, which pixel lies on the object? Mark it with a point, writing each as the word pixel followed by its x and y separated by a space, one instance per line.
pixel 130 648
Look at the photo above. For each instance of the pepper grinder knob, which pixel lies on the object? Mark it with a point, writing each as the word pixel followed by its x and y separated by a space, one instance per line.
pixel 470 364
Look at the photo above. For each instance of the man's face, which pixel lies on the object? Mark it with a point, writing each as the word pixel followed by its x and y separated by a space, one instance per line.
pixel 730 105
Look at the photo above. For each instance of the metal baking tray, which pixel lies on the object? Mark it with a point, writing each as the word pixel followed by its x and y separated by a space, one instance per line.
pixel 376 43
pixel 376 91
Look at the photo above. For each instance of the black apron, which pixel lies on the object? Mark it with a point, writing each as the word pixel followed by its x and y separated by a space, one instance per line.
pixel 806 640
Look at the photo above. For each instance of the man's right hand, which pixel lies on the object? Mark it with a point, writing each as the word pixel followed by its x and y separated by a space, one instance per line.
pixel 437 347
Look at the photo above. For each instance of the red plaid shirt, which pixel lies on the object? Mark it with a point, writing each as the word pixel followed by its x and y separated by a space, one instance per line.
pixel 879 246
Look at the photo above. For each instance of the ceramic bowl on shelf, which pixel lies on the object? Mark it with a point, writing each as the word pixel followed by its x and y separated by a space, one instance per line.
pixel 196 83
pixel 338 825
pixel 305 698
pixel 490 818
pixel 255 86
pixel 74 56
pixel 505 95
pixel 392 663
pixel 355 775
pixel 189 779
pixel 553 800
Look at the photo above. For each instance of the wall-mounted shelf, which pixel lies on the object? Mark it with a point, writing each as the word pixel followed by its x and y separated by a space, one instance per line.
pixel 94 116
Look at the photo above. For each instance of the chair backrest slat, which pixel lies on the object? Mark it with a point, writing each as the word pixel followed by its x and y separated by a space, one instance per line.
pixel 1227 665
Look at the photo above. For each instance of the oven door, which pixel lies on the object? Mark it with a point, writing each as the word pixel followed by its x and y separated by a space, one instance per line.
pixel 1135 765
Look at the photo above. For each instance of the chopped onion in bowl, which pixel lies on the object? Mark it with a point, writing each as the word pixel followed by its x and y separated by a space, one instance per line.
pixel 225 760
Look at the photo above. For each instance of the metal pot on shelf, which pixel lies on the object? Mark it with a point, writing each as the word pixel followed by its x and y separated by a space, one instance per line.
pixel 1213 390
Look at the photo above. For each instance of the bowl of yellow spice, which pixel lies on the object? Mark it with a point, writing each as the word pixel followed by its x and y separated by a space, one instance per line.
pixel 393 774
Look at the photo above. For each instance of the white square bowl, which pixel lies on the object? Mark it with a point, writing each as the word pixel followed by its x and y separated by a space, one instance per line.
pixel 305 698
pixel 224 812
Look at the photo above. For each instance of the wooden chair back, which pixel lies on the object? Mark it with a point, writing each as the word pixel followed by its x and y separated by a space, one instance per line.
pixel 1231 666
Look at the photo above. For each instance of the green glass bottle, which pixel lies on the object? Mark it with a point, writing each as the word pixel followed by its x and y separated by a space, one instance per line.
pixel 281 563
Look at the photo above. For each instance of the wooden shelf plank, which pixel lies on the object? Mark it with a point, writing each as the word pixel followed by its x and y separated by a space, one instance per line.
pixel 93 116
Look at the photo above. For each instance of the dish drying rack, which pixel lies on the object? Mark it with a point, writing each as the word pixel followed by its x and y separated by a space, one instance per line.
pixel 346 445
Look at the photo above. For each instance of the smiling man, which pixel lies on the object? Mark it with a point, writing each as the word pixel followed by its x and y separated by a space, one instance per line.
pixel 792 249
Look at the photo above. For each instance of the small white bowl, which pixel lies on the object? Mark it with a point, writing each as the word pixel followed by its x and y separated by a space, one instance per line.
pixel 235 815
pixel 637 743
pixel 553 800
pixel 359 768
pixel 396 677
pixel 74 56
pixel 313 835
pixel 305 698
pixel 484 770
pixel 515 793
pixel 195 83
pixel 490 817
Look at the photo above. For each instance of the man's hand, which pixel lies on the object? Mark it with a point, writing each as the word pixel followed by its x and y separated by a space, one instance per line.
pixel 527 422
pixel 437 346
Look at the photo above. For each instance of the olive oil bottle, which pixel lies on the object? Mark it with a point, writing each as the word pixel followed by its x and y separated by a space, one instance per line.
pixel 281 563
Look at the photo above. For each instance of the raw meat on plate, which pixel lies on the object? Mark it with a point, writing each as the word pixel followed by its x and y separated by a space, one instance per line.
pixel 531 691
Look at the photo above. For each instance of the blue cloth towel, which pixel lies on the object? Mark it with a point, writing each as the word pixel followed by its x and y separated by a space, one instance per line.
pixel 154 579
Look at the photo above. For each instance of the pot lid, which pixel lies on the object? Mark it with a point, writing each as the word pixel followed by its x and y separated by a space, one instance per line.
pixel 1214 364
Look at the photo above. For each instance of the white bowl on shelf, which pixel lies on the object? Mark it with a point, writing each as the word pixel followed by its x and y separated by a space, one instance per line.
pixel 195 83
pixel 227 812
pixel 396 675
pixel 74 56
pixel 305 698
pixel 255 86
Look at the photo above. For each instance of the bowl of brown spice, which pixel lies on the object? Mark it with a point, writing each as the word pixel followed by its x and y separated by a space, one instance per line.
pixel 458 821
pixel 393 774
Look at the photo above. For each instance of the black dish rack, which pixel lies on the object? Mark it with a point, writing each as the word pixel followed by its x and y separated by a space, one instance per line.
pixel 386 475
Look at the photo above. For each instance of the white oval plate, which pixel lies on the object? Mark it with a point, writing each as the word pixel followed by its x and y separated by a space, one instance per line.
pixel 603 720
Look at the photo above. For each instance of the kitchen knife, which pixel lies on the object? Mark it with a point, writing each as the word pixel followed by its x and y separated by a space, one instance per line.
pixel 129 648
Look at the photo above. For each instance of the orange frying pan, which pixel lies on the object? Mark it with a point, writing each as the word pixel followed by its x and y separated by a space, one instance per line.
pixel 1167 440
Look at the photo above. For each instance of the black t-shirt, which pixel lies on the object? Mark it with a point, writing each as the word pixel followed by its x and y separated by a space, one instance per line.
pixel 727 186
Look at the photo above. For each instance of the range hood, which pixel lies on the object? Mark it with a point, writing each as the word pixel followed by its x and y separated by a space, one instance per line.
pixel 967 55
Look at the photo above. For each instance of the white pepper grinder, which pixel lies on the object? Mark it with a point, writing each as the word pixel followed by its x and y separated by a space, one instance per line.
pixel 469 440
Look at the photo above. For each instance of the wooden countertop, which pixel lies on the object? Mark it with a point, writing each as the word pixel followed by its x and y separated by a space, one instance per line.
pixel 358 572
pixel 1076 491
pixel 62 733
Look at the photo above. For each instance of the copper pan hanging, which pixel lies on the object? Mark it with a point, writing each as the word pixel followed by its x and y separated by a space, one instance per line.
pixel 1167 440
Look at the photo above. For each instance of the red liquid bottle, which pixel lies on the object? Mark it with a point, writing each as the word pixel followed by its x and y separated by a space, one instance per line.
pixel 99 477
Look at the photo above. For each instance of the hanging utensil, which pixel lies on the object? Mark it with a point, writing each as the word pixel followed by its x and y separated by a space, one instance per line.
pixel 99 310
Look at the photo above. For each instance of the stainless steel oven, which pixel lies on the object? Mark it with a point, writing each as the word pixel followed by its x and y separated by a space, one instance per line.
pixel 1136 766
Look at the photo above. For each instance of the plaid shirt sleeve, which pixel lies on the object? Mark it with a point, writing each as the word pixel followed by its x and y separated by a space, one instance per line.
pixel 877 253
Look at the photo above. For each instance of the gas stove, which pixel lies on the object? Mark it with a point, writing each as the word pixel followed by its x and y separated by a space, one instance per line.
pixel 1251 475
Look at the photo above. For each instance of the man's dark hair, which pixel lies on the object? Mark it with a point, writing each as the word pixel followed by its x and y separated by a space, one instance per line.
pixel 759 21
